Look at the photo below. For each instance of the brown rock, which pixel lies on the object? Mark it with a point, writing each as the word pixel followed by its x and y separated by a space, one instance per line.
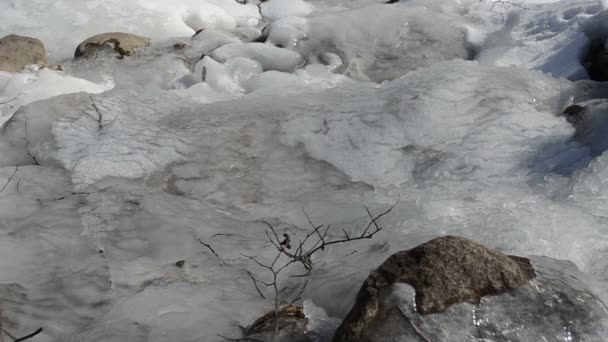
pixel 18 51
pixel 444 271
pixel 125 44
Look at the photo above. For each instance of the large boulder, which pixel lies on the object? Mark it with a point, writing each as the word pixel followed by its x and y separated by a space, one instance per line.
pixel 119 43
pixel 453 289
pixel 18 51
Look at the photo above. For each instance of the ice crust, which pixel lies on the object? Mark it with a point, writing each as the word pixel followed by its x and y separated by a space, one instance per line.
pixel 125 164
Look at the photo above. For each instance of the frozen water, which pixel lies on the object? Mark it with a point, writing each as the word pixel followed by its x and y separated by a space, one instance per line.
pixel 124 164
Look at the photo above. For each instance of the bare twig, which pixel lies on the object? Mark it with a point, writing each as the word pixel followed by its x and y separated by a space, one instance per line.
pixel 10 100
pixel 316 239
pixel 245 339
pixel 209 247
pixel 10 178
pixel 99 117
pixel 27 144
pixel 27 337
pixel 226 235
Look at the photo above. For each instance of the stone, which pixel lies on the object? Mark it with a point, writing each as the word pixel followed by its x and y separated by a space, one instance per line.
pixel 18 51
pixel 573 113
pixel 122 44
pixel 306 323
pixel 596 60
pixel 555 306
pixel 443 272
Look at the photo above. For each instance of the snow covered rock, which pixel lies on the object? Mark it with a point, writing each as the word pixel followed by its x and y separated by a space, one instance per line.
pixel 18 51
pixel 462 291
pixel 396 42
pixel 271 57
pixel 125 44
pixel 444 271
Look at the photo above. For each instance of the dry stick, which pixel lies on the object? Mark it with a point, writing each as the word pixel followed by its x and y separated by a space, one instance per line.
pixel 303 254
pixel 209 247
pixel 245 339
pixel 99 116
pixel 10 178
pixel 27 337
pixel 27 144
pixel 10 100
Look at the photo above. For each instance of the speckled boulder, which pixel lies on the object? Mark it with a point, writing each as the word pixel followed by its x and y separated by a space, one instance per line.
pixel 443 272
pixel 123 44
pixel 18 51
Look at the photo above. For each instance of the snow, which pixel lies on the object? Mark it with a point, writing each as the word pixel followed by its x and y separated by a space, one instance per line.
pixel 125 163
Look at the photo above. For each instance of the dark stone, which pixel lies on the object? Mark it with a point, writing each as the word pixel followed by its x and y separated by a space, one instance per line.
pixel 573 113
pixel 444 271
pixel 596 61
pixel 180 263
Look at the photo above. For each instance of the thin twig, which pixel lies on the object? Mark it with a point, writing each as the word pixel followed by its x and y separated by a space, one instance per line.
pixel 210 248
pixel 10 178
pixel 245 339
pixel 27 337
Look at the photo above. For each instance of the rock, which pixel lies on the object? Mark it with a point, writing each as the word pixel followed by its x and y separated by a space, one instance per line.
pixel 306 323
pixel 522 300
pixel 18 51
pixel 590 122
pixel 124 44
pixel 444 271
pixel 596 61
pixel 573 113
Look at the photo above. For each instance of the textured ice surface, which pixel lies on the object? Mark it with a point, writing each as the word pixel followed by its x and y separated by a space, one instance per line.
pixel 117 183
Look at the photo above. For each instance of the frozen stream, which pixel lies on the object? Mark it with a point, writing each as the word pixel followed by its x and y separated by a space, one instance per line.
pixel 111 171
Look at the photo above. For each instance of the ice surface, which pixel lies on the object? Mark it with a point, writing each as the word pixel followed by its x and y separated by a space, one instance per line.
pixel 19 89
pixel 125 163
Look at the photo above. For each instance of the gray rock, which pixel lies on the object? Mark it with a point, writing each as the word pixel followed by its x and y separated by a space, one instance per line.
pixel 18 51
pixel 122 44
pixel 443 272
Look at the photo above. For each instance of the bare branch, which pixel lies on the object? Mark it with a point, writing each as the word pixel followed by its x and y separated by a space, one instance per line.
pixel 27 144
pixel 314 240
pixel 245 339
pixel 255 283
pixel 209 248
pixel 10 178
pixel 27 337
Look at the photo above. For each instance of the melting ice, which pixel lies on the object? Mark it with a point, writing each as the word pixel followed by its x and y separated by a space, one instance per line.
pixel 113 170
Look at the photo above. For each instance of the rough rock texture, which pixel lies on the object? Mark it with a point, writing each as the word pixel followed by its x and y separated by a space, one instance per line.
pixel 307 323
pixel 443 272
pixel 557 305
pixel 125 44
pixel 17 51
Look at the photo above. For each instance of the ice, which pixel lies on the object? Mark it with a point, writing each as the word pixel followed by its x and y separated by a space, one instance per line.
pixel 276 9
pixel 270 57
pixel 553 37
pixel 19 89
pixel 125 164
pixel 395 42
